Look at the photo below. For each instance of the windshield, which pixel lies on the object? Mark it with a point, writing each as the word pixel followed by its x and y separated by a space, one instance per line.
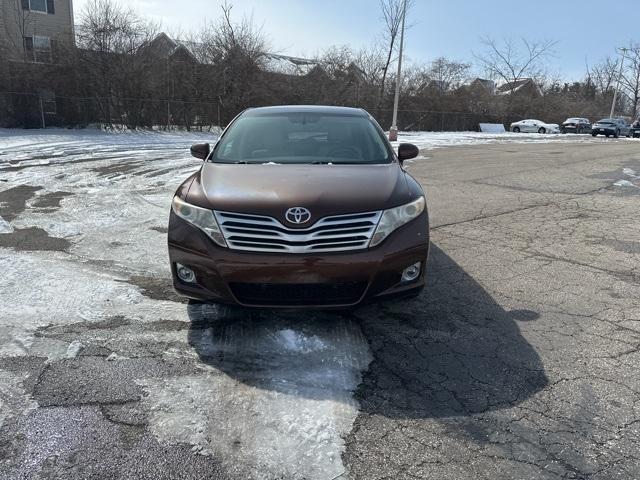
pixel 607 120
pixel 302 137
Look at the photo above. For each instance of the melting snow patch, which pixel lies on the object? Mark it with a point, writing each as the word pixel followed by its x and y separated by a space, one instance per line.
pixel 297 342
pixel 624 183
pixel 5 227
pixel 114 357
pixel 73 349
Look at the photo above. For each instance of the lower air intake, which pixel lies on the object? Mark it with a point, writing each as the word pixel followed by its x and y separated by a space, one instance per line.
pixel 321 294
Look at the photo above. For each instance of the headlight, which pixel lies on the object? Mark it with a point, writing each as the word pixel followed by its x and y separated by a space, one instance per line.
pixel 201 218
pixel 394 218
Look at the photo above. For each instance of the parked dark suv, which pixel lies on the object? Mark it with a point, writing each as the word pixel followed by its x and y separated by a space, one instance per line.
pixel 615 127
pixel 300 207
pixel 635 129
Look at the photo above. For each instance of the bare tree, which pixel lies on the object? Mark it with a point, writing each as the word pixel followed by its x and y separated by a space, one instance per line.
pixel 18 24
pixel 225 37
pixel 604 75
pixel 392 12
pixel 448 74
pixel 630 80
pixel 510 61
pixel 112 40
pixel 238 49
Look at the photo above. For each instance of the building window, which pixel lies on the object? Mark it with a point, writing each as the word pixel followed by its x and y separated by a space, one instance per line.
pixel 38 49
pixel 44 6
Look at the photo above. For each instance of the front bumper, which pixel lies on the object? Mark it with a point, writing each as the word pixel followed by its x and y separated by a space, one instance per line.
pixel 269 280
pixel 603 131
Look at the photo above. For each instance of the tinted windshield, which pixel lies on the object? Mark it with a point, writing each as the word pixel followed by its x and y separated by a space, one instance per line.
pixel 607 120
pixel 302 138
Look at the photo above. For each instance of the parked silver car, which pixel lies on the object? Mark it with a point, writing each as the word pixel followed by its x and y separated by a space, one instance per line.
pixel 534 126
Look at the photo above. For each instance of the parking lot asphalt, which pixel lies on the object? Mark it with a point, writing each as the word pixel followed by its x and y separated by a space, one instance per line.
pixel 519 360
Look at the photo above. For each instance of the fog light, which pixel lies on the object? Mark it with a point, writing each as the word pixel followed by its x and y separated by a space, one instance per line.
pixel 412 273
pixel 185 274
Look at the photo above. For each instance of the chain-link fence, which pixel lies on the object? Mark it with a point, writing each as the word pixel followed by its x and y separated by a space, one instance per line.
pixel 436 121
pixel 44 109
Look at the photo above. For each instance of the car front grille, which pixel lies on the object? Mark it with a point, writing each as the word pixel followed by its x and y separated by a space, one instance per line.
pixel 293 295
pixel 266 234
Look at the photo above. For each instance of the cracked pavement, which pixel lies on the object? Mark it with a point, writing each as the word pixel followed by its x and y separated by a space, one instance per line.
pixel 520 359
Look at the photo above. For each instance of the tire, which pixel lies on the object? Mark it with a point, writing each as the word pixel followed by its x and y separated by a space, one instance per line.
pixel 594 134
pixel 542 130
pixel 617 134
pixel 516 129
pixel 608 135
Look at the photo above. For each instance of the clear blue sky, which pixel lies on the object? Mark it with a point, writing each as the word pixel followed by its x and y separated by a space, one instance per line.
pixel 584 30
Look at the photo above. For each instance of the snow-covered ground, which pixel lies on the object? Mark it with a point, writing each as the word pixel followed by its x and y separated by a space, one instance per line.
pixel 431 140
pixel 281 401
pixel 281 398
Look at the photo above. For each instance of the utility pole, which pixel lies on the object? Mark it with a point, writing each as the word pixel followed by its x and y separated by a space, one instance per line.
pixel 393 131
pixel 615 94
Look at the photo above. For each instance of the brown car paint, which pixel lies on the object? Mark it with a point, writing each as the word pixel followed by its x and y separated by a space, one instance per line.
pixel 325 190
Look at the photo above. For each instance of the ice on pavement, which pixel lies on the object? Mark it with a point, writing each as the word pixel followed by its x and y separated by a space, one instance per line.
pixel 276 394
pixel 298 342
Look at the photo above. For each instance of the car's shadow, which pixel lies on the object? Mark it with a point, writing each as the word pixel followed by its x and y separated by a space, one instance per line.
pixel 453 351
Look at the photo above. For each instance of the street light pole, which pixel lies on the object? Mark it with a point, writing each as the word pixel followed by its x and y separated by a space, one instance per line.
pixel 393 131
pixel 615 94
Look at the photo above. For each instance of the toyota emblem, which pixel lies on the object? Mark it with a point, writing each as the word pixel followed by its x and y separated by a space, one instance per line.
pixel 298 215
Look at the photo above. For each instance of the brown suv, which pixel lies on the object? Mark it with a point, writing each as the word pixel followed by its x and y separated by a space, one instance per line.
pixel 299 207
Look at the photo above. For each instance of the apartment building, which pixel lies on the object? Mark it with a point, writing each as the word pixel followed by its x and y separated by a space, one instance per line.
pixel 30 30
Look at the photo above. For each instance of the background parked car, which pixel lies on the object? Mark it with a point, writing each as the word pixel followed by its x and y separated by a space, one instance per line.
pixel 635 129
pixel 534 126
pixel 615 127
pixel 576 125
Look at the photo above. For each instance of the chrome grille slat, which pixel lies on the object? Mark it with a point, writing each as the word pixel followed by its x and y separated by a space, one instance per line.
pixel 336 233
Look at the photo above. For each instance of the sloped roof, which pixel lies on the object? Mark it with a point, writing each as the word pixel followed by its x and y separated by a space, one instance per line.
pixel 284 64
pixel 166 47
pixel 508 88
pixel 483 82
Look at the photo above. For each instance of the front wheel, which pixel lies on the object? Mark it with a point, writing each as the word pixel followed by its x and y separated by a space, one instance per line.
pixel 516 129
pixel 617 134
pixel 594 134
pixel 542 130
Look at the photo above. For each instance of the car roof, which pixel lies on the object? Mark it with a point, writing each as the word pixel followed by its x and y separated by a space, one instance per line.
pixel 329 110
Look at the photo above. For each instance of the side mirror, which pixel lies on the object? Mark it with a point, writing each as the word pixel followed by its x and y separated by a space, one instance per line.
pixel 407 151
pixel 201 150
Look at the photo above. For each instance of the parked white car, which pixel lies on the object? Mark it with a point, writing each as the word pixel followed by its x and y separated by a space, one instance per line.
pixel 534 126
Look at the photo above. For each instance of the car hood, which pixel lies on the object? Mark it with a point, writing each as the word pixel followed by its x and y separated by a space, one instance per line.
pixel 323 189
